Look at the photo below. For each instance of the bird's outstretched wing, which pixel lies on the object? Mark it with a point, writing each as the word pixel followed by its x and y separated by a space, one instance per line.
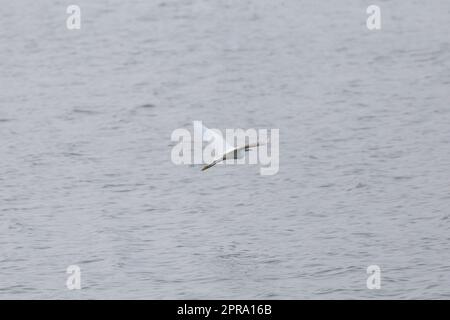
pixel 212 164
pixel 222 158
pixel 213 136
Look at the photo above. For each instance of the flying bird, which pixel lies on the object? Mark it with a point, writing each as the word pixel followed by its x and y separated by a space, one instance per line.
pixel 230 152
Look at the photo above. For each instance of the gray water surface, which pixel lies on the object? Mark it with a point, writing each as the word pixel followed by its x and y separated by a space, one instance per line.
pixel 86 176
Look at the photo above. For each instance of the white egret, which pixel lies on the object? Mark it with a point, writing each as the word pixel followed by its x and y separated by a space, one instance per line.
pixel 229 151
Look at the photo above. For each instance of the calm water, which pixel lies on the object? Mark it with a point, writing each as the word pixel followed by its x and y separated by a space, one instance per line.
pixel 85 170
